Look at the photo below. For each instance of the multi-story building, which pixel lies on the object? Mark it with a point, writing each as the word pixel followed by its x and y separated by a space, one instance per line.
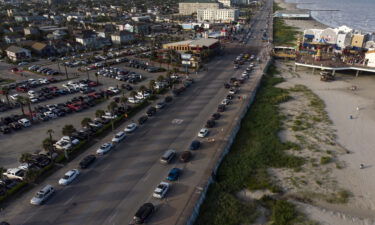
pixel 189 7
pixel 217 15
pixel 226 2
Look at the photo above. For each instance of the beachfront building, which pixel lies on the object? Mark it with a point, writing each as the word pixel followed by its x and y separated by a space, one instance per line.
pixel 227 3
pixel 188 7
pixel 312 35
pixel 329 35
pixel 358 40
pixel 343 40
pixel 370 58
pixel 218 15
pixel 16 53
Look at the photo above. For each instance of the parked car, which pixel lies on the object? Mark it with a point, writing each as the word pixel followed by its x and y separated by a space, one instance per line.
pixel 161 190
pixel 185 156
pixel 174 174
pixel 85 162
pixel 104 148
pixel 69 177
pixel 151 111
pixel 195 145
pixel 142 120
pixel 221 108
pixel 42 195
pixel 210 123
pixel 130 128
pixel 216 116
pixel 203 132
pixel 144 213
pixel 119 137
pixel 160 105
pixel 168 156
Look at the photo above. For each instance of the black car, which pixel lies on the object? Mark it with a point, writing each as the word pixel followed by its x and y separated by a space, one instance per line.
pixel 221 108
pixel 142 120
pixel 127 87
pixel 168 99
pixel 195 145
pixel 151 111
pixel 226 85
pixel 5 129
pixel 230 97
pixel 85 162
pixel 143 213
pixel 216 116
pixel 210 123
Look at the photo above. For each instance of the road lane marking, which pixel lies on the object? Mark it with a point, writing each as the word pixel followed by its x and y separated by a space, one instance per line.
pixel 177 121
pixel 69 200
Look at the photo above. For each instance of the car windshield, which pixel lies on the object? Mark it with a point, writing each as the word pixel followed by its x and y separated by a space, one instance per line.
pixel 66 177
pixel 39 195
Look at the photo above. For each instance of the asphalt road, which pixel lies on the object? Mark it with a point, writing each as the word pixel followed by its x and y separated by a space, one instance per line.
pixel 113 188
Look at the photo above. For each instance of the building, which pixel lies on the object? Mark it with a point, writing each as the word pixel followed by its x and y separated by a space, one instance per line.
pixel 217 15
pixel 312 35
pixel 195 46
pixel 344 40
pixel 358 40
pixel 31 31
pixel 16 53
pixel 122 37
pixel 189 7
pixel 227 3
pixel 42 49
pixel 87 38
pixel 293 14
pixel 329 35
pixel 370 58
pixel 137 28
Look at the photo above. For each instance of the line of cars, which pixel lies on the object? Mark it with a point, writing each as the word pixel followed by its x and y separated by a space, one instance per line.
pixel 120 74
pixel 43 70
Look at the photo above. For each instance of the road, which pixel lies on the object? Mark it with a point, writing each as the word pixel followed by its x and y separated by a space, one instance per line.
pixel 113 188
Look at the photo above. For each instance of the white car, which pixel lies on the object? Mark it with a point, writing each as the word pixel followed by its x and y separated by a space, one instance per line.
pixel 34 100
pixel 24 122
pixel 69 177
pixel 50 115
pixel 106 147
pixel 42 195
pixel 203 132
pixel 96 123
pixel 14 97
pixel 119 137
pixel 109 116
pixel 161 190
pixel 134 100
pixel 114 90
pixel 130 128
pixel 225 102
pixel 22 63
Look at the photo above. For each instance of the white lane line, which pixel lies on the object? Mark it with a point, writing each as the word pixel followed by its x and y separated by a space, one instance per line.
pixel 146 177
pixel 112 217
pixel 69 200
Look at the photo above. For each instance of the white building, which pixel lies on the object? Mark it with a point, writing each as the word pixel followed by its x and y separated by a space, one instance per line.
pixel 312 35
pixel 344 40
pixel 15 53
pixel 370 58
pixel 226 2
pixel 329 35
pixel 217 15
pixel 122 37
pixel 190 7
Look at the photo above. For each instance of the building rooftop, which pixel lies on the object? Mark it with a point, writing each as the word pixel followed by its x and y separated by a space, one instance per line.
pixel 199 42
pixel 198 1
pixel 14 48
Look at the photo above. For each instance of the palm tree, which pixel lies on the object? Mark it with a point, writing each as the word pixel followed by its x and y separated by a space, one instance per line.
pixel 5 91
pixel 2 170
pixel 31 175
pixel 133 94
pixel 99 113
pixel 111 107
pixel 142 89
pixel 151 85
pixel 48 143
pixel 85 121
pixel 97 78
pixel 124 100
pixel 20 100
pixel 161 78
pixel 68 130
pixel 25 157
pixel 27 102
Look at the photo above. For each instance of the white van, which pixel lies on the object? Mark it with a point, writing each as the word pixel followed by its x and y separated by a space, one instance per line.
pixel 42 195
pixel 15 173
pixel 24 122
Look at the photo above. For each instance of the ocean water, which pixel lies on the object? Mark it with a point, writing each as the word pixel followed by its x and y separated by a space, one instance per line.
pixel 357 14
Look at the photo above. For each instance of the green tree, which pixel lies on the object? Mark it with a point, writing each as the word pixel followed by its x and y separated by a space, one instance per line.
pixel 5 91
pixel 2 170
pixel 99 113
pixel 142 89
pixel 20 100
pixel 85 121
pixel 123 100
pixel 161 78
pixel 133 94
pixel 25 157
pixel 68 130
pixel 31 175
pixel 151 85
pixel 50 142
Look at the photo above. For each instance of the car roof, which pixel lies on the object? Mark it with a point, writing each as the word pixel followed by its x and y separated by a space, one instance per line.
pixel 70 172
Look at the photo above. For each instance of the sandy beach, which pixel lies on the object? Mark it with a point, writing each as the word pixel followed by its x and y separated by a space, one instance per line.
pixel 353 136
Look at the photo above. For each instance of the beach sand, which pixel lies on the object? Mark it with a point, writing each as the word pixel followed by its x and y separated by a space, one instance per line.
pixel 356 135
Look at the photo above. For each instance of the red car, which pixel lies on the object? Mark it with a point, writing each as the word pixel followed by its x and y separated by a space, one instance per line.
pixel 75 107
pixel 92 84
pixel 22 89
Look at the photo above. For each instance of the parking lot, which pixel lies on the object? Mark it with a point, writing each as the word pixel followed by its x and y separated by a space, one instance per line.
pixel 30 139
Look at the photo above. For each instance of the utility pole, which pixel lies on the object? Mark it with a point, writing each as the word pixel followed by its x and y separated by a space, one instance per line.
pixel 66 72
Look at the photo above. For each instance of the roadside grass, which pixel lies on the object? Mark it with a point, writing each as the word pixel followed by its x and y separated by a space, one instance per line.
pixel 283 34
pixel 256 148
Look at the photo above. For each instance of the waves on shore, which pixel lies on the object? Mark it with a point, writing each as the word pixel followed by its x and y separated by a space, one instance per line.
pixel 358 14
